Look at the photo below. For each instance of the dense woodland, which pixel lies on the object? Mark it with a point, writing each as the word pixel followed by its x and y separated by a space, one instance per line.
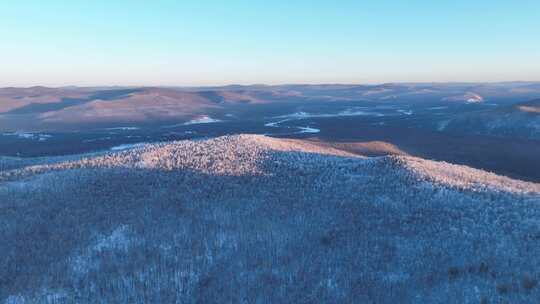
pixel 250 219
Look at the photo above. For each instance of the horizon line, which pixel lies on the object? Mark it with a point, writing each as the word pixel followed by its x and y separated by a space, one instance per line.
pixel 268 85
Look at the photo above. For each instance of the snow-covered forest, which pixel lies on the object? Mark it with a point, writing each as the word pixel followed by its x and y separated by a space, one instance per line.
pixel 253 219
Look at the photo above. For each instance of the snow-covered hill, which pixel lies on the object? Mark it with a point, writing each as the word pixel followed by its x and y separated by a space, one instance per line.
pixel 250 218
pixel 39 109
pixel 518 120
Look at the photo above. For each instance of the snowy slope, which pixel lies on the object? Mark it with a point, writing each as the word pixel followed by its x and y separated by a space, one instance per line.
pixel 250 218
pixel 520 120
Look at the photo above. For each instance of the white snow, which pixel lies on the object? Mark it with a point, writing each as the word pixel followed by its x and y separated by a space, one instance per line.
pixel 123 128
pixel 276 124
pixel 118 239
pixel 468 97
pixel 127 146
pixel 278 198
pixel 442 125
pixel 30 136
pixel 301 129
pixel 201 120
pixel 406 112
pixel 308 130
pixel 348 112
pixel 97 139
pixel 356 111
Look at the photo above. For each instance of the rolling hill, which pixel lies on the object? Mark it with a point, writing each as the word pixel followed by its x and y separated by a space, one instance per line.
pixel 69 108
pixel 249 218
pixel 517 120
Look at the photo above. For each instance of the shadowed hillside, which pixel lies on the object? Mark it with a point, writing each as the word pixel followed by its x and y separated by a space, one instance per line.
pixel 518 120
pixel 69 108
pixel 255 219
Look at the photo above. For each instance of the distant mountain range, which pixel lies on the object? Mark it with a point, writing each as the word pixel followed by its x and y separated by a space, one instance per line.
pixel 41 108
pixel 250 218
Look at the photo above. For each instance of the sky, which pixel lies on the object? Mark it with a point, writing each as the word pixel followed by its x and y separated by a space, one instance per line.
pixel 187 43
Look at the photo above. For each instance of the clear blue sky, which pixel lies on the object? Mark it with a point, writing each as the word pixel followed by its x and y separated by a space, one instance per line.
pixel 130 42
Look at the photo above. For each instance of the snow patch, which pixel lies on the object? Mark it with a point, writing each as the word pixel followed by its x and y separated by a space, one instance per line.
pixel 467 97
pixel 30 136
pixel 301 129
pixel 120 239
pixel 201 120
pixel 275 124
pixel 308 130
pixel 127 146
pixel 97 139
pixel 347 112
pixel 122 129
pixel 405 112
pixel 442 125
pixel 204 119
